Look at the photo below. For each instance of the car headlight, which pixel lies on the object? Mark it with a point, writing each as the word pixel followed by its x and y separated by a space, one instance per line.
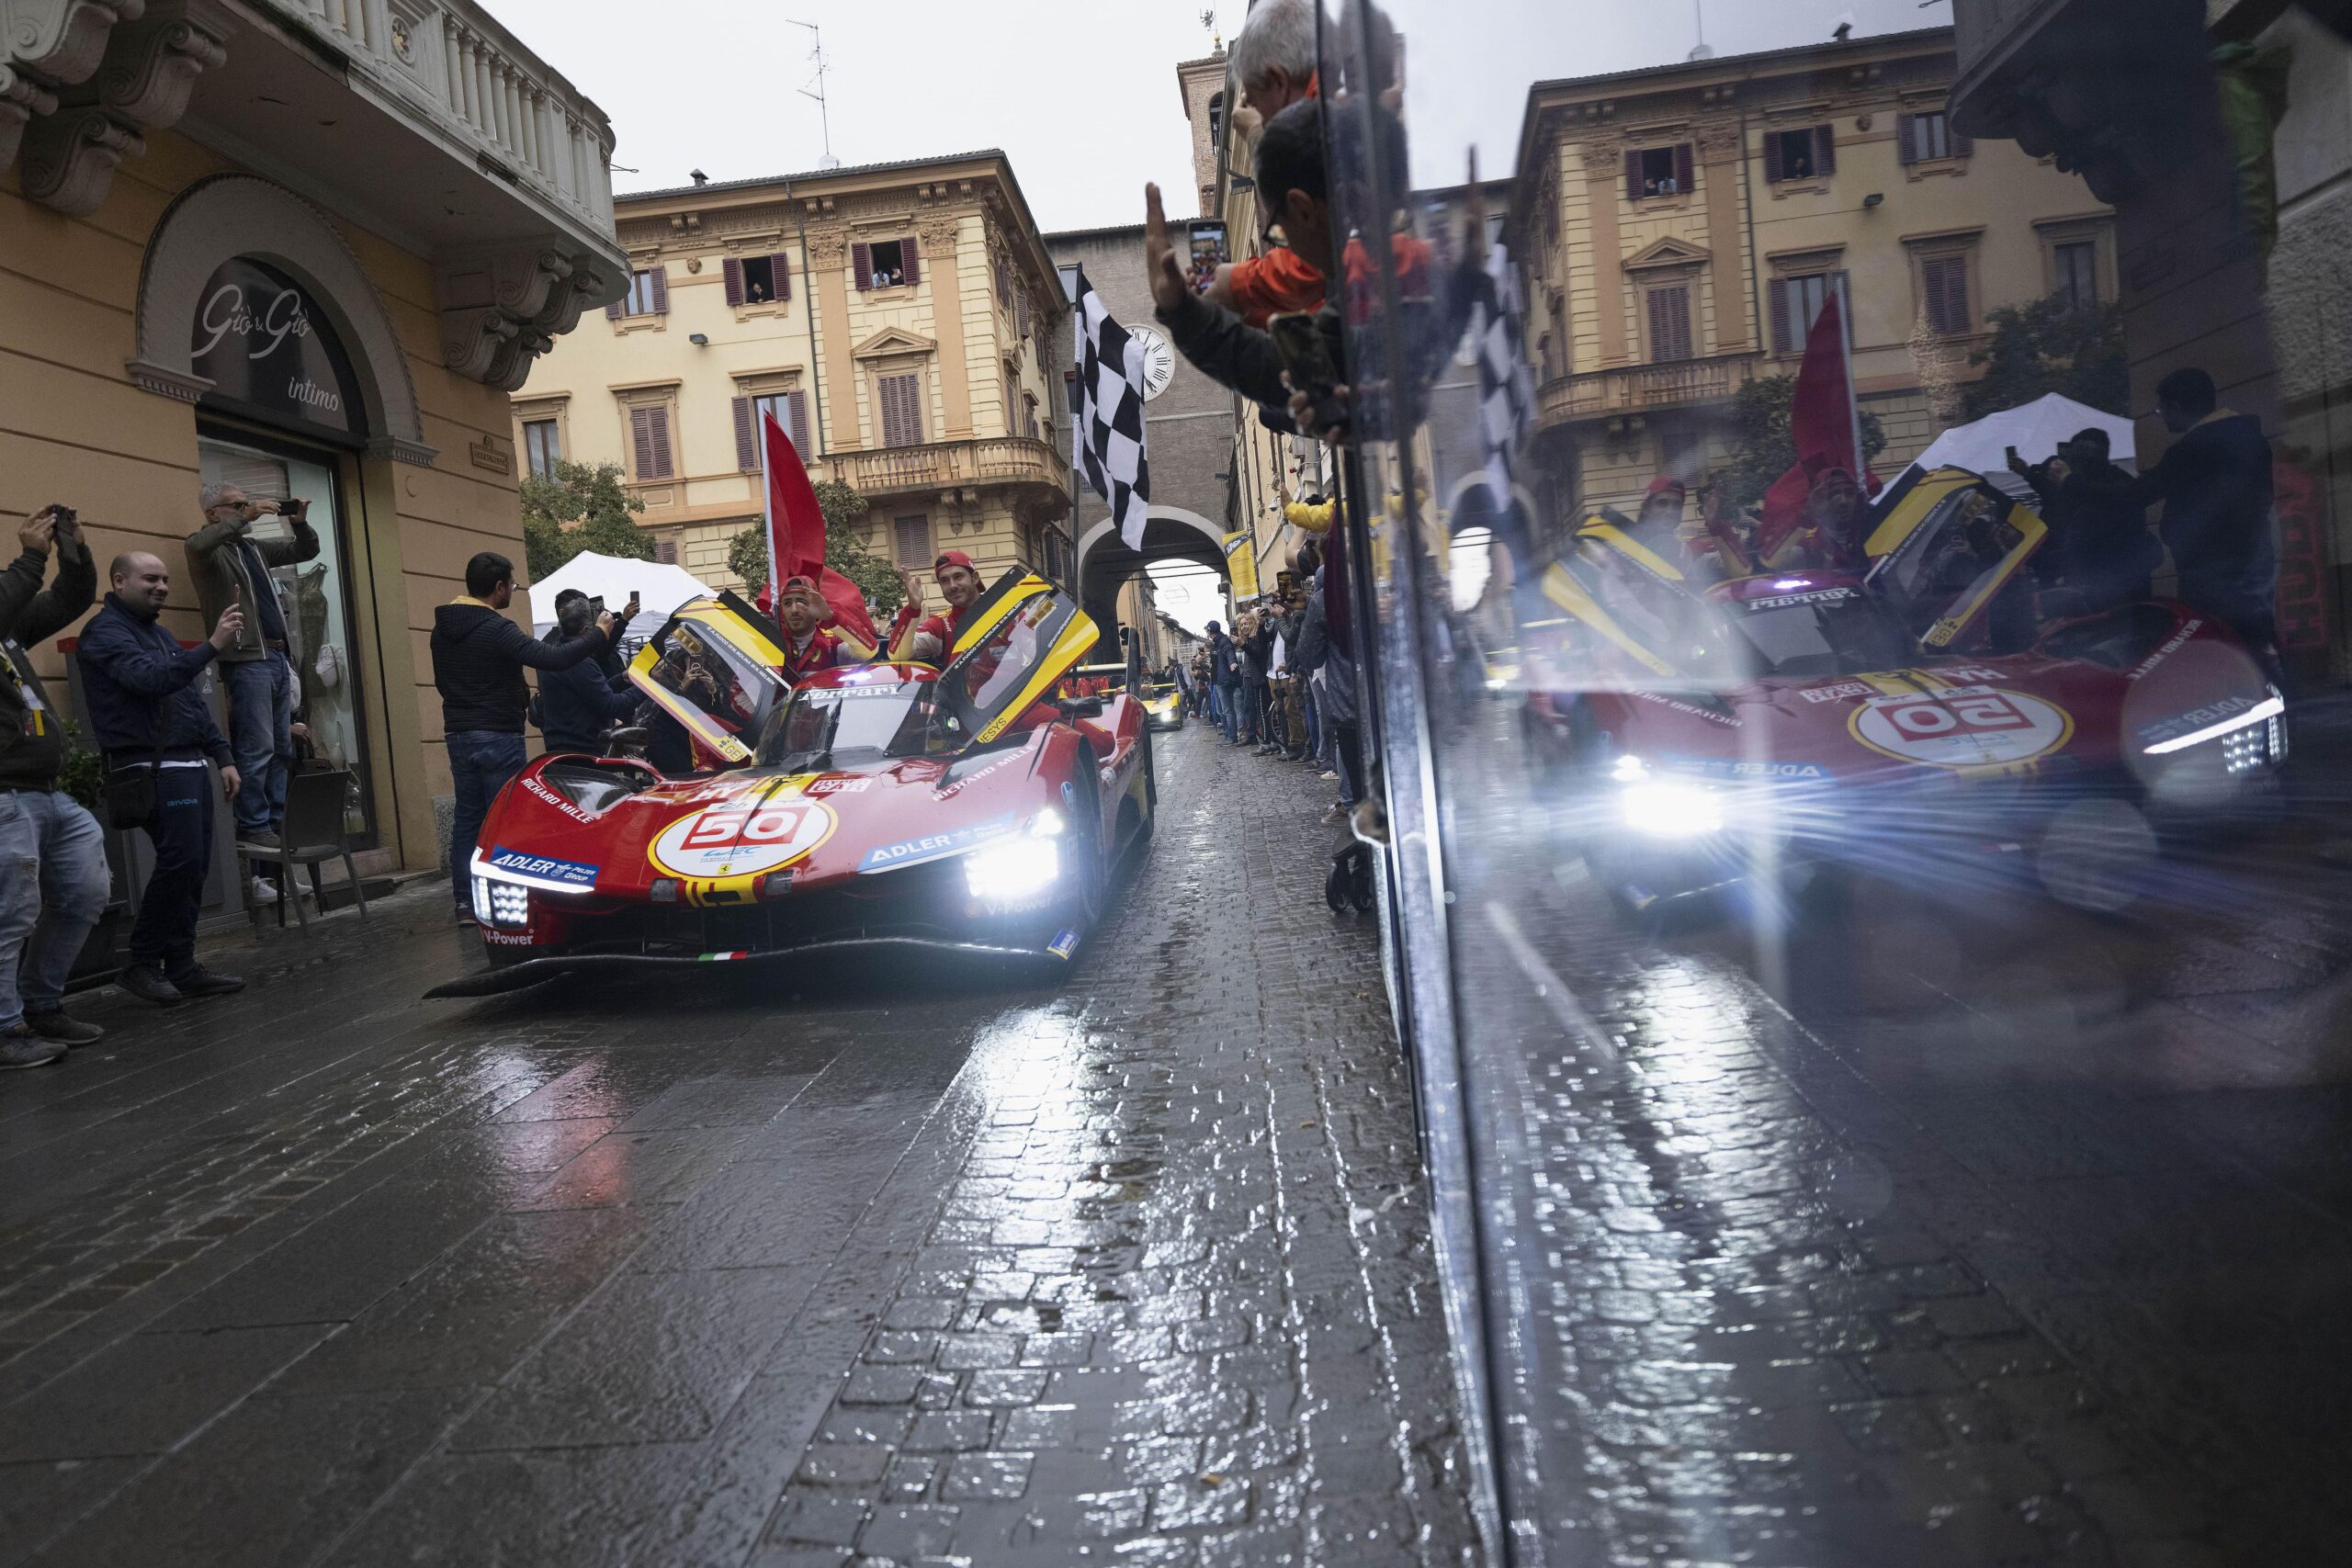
pixel 497 902
pixel 1014 870
pixel 2248 729
pixel 1669 809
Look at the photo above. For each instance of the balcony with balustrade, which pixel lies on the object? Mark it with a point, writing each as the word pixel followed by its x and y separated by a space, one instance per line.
pixel 425 122
pixel 1033 470
pixel 1641 388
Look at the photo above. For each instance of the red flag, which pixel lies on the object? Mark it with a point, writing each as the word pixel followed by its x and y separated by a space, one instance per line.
pixel 1826 426
pixel 797 534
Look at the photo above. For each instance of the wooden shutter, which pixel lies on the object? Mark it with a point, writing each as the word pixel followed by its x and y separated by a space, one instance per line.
pixel 1633 177
pixel 910 400
pixel 748 434
pixel 1685 166
pixel 909 265
pixel 1943 285
pixel 661 275
pixel 912 540
pixel 1774 171
pixel 1669 324
pixel 798 403
pixel 657 425
pixel 616 308
pixel 665 551
pixel 641 440
pixel 733 269
pixel 1784 334
pixel 1905 147
pixel 1956 293
pixel 861 258
pixel 780 275
pixel 1021 315
pixel 1824 150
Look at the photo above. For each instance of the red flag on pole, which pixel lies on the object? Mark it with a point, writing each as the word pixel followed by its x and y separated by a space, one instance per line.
pixel 796 534
pixel 1825 424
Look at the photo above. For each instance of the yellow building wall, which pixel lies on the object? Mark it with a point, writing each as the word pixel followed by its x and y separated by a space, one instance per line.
pixel 74 428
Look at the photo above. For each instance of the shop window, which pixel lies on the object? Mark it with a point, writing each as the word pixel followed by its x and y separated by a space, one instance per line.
pixel 1943 295
pixel 1669 313
pixel 1658 170
pixel 1796 304
pixel 542 447
pixel 313 599
pixel 1807 154
pixel 648 433
pixel 1924 138
pixel 911 539
pixel 2076 265
pixel 900 398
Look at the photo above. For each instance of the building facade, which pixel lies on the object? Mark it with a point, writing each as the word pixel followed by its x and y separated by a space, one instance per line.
pixel 898 320
pixel 2256 293
pixel 309 249
pixel 1188 432
pixel 1677 229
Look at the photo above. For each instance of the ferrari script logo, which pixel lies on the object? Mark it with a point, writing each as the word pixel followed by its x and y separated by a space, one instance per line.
pixel 742 840
pixel 1966 726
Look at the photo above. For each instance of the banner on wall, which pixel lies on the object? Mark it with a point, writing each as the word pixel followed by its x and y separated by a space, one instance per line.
pixel 1241 565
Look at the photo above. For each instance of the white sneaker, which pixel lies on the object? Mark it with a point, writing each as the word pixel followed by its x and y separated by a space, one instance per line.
pixel 264 891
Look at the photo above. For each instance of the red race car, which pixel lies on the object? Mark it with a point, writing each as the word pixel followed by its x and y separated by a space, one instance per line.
pixel 1910 720
pixel 965 808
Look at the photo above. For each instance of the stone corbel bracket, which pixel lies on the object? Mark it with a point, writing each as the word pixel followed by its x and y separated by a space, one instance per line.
pixel 502 309
pixel 142 82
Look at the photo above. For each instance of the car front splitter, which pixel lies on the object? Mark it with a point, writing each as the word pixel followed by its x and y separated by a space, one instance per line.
pixel 536 971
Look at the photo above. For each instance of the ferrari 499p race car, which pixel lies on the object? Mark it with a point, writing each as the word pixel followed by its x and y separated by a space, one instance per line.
pixel 965 808
pixel 1911 719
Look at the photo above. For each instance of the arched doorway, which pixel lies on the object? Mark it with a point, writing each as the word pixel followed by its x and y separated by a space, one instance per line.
pixel 1105 562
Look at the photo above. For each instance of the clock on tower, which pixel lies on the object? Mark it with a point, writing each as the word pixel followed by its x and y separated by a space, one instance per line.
pixel 1158 360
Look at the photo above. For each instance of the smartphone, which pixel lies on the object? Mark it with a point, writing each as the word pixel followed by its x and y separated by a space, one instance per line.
pixel 1306 358
pixel 68 521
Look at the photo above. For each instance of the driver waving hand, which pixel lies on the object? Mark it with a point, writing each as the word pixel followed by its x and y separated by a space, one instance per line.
pixel 930 640
pixel 810 645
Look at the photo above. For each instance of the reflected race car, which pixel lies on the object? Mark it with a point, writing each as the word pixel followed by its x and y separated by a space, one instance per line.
pixel 964 809
pixel 1909 720
pixel 1163 706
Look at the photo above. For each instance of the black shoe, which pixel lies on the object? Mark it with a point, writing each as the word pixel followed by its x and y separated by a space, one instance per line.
pixel 465 915
pixel 63 1027
pixel 147 983
pixel 198 981
pixel 1294 756
pixel 265 839
pixel 20 1047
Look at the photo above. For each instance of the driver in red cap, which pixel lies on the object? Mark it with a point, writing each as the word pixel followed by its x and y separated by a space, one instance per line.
pixel 808 645
pixel 930 640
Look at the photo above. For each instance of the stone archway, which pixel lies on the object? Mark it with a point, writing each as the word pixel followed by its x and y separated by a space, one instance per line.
pixel 1104 561
pixel 228 216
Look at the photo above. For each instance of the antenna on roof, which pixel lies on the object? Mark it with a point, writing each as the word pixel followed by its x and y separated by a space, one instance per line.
pixel 824 120
pixel 1703 49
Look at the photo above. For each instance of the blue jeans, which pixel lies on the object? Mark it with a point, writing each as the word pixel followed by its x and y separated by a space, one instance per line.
pixel 181 830
pixel 480 763
pixel 1223 701
pixel 261 738
pixel 54 885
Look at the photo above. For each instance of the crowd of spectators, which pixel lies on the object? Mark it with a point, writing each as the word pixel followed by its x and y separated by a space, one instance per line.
pixel 1274 682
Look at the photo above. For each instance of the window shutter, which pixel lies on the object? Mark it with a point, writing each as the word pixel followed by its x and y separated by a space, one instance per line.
pixel 1963 146
pixel 1669 324
pixel 1020 316
pixel 861 258
pixel 1784 334
pixel 1842 282
pixel 657 426
pixel 1633 177
pixel 909 265
pixel 1956 293
pixel 661 291
pixel 613 309
pixel 780 272
pixel 1684 170
pixel 747 435
pixel 1774 172
pixel 1824 150
pixel 641 438
pixel 1905 147
pixel 733 268
pixel 798 403
pixel 665 552
pixel 912 397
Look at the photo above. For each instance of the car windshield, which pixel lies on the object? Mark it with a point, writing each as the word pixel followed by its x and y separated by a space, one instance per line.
pixel 1830 632
pixel 845 722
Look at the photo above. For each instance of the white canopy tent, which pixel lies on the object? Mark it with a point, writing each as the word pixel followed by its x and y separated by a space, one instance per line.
pixel 659 588
pixel 2034 429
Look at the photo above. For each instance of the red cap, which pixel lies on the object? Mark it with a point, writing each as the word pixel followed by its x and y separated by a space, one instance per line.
pixel 1667 484
pixel 953 558
pixel 796 585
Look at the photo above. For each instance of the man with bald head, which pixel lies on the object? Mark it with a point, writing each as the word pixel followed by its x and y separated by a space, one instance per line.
pixel 151 722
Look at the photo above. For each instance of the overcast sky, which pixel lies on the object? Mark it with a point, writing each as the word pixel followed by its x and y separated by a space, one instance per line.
pixel 1081 93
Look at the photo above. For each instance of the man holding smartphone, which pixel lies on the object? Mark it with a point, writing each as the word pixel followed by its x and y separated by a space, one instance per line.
pixel 232 569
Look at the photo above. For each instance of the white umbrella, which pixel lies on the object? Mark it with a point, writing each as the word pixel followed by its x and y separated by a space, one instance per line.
pixel 660 588
pixel 2034 429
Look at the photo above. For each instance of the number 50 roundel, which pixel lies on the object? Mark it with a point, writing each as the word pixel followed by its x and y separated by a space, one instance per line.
pixel 743 840
pixel 1972 726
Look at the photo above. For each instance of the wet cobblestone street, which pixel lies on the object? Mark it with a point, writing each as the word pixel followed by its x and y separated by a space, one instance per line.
pixel 1132 1271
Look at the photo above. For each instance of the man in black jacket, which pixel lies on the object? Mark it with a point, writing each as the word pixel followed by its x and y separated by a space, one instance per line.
pixel 478 657
pixel 2215 484
pixel 579 704
pixel 53 877
pixel 149 717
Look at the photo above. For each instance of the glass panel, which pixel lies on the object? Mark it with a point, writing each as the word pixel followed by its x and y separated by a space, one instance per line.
pixel 314 596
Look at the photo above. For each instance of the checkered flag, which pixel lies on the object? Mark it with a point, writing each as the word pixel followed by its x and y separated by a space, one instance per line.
pixel 1108 423
pixel 1506 389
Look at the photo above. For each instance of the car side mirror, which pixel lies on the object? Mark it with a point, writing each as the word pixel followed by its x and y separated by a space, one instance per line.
pixel 1083 708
